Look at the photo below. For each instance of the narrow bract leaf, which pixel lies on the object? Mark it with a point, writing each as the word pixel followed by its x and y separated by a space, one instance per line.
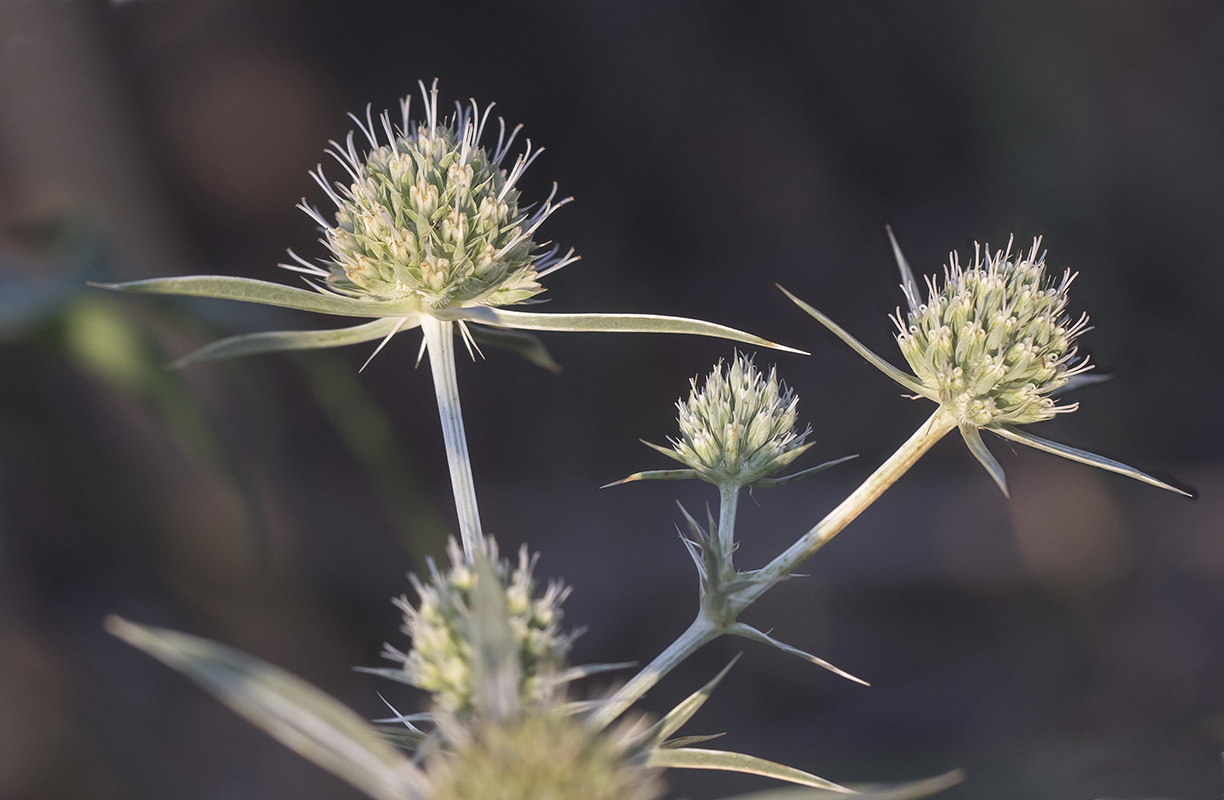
pixel 907 275
pixel 766 483
pixel 908 381
pixel 298 715
pixel 984 456
pixel 496 669
pixel 617 323
pixel 688 741
pixel 697 758
pixel 1076 382
pixel 912 790
pixel 519 342
pixel 586 670
pixel 656 475
pixel 655 735
pixel 267 342
pixel 250 290
pixel 1082 456
pixel 749 632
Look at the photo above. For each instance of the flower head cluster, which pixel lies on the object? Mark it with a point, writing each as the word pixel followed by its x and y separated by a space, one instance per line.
pixel 538 755
pixel 431 216
pixel 994 340
pixel 443 655
pixel 739 427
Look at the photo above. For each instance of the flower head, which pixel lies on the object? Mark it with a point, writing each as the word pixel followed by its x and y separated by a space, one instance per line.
pixel 443 656
pixel 994 341
pixel 432 216
pixel 541 754
pixel 739 427
pixel 993 345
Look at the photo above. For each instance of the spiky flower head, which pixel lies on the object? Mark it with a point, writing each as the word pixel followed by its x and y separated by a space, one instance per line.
pixel 442 659
pixel 739 427
pixel 993 341
pixel 431 216
pixel 540 755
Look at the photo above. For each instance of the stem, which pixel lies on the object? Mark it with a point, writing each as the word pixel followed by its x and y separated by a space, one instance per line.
pixel 439 338
pixel 700 632
pixel 704 630
pixel 728 502
pixel 931 431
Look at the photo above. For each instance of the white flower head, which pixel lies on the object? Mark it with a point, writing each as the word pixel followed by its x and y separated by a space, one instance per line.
pixel 428 214
pixel 739 426
pixel 443 656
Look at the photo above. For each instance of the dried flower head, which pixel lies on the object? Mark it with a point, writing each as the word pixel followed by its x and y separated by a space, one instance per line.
pixel 994 341
pixel 537 756
pixel 431 216
pixel 739 427
pixel 993 345
pixel 442 659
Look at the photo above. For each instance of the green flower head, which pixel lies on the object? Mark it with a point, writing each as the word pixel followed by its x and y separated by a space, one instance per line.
pixel 442 659
pixel 994 345
pixel 431 216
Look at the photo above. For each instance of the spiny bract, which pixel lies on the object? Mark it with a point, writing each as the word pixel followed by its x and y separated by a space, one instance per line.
pixel 994 340
pixel 739 427
pixel 443 655
pixel 431 216
pixel 539 756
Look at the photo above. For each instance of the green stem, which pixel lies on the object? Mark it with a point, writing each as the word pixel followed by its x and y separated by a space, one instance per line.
pixel 931 431
pixel 728 502
pixel 700 632
pixel 440 339
pixel 704 630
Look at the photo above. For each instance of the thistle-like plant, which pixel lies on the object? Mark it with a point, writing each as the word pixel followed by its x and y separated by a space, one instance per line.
pixel 428 232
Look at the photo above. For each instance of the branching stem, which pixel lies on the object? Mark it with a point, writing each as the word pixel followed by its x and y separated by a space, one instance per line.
pixel 440 340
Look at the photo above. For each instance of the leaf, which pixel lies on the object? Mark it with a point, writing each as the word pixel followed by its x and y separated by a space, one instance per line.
pixel 298 715
pixel 984 457
pixel 697 758
pixel 521 343
pixel 616 323
pixel 272 341
pixel 656 734
pixel 250 290
pixel 586 670
pixel 1077 382
pixel 908 381
pixel 496 671
pixel 657 475
pixel 898 791
pixel 767 483
pixel 686 741
pixel 1082 456
pixel 749 632
pixel 907 275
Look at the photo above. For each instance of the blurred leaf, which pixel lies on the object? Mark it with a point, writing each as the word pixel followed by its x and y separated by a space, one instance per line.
pixel 272 341
pixel 682 713
pixel 496 669
pixel 249 290
pixel 896 791
pixel 695 758
pixel 521 343
pixel 298 715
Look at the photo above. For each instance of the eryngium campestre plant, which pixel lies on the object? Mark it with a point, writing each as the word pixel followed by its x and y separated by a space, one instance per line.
pixel 442 657
pixel 739 427
pixel 432 216
pixel 994 340
pixel 540 755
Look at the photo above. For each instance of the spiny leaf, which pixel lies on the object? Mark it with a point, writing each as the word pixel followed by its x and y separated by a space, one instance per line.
pixel 656 475
pixel 749 632
pixel 618 323
pixel 674 720
pixel 897 791
pixel 766 483
pixel 1082 456
pixel 272 341
pixel 295 713
pixel 250 290
pixel 697 758
pixel 908 381
pixel 984 456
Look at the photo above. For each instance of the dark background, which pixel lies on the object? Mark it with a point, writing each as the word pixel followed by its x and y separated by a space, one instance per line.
pixel 1066 644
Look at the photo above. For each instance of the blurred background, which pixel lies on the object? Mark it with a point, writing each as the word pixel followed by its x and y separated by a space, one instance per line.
pixel 1066 644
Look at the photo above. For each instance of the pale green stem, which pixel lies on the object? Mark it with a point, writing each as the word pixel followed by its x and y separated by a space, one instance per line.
pixel 704 630
pixel 931 431
pixel 440 339
pixel 700 632
pixel 728 502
